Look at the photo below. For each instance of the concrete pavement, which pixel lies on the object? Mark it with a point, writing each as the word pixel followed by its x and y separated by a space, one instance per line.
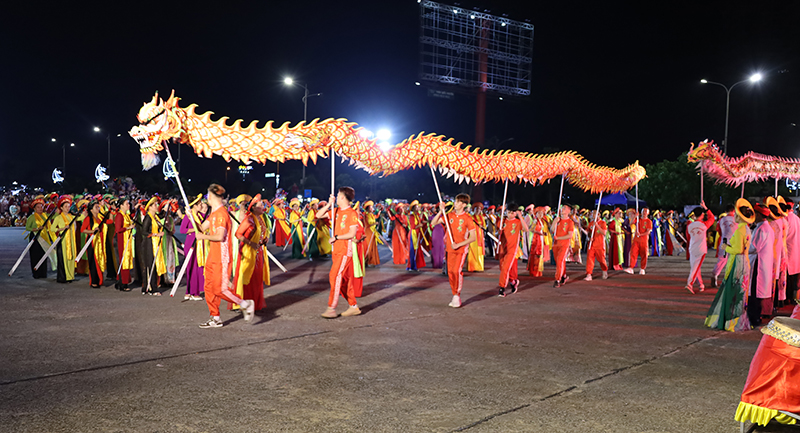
pixel 627 354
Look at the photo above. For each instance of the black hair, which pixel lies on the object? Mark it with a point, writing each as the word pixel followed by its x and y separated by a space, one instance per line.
pixel 746 211
pixel 698 211
pixel 730 208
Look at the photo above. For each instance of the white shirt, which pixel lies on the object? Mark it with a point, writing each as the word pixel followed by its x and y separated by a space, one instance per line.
pixel 727 226
pixel 793 242
pixel 697 241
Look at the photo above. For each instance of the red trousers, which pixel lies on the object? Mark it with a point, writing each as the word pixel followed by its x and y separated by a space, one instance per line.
pixel 340 277
pixel 560 254
pixel 217 286
pixel 455 263
pixel 638 249
pixel 600 255
pixel 508 268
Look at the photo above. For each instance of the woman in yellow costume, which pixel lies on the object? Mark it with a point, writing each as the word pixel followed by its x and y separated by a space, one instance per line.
pixel 312 251
pixel 252 269
pixel 475 255
pixel 296 223
pixel 371 230
pixel 278 213
pixel 66 251
pixel 323 232
pixel 153 262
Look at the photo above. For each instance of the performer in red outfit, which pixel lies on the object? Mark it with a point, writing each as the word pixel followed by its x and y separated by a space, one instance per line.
pixel 399 235
pixel 508 251
pixel 95 222
pixel 217 230
pixel 597 246
pixel 342 270
pixel 563 227
pixel 252 271
pixel 464 232
pixel 641 227
pixel 536 256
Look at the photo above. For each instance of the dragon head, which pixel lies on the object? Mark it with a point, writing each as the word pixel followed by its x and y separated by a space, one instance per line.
pixel 158 122
pixel 704 150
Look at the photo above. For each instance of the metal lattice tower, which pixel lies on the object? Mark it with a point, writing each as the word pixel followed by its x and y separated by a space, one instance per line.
pixel 475 50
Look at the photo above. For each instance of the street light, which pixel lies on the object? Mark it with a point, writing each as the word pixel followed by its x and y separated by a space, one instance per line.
pixel 63 154
pixel 108 137
pixel 290 82
pixel 753 79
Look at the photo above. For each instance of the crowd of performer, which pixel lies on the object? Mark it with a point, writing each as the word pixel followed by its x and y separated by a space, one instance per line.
pixel 132 241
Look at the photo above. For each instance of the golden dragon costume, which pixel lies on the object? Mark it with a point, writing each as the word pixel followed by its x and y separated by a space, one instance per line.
pixel 164 120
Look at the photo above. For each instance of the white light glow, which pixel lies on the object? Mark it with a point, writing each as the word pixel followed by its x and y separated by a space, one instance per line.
pixel 72 145
pixel 96 129
pixel 366 133
pixel 417 83
pixel 503 24
pixel 384 134
pixel 455 11
pixel 53 140
pixel 385 146
pixel 288 81
pixel 704 81
pixel 755 78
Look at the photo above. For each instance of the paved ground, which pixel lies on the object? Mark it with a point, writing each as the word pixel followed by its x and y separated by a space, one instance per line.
pixel 628 354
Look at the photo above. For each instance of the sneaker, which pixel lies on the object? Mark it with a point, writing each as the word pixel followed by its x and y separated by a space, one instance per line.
pixel 689 288
pixel 196 298
pixel 714 281
pixel 641 271
pixel 702 288
pixel 456 302
pixel 502 292
pixel 588 277
pixel 605 275
pixel 248 309
pixel 556 283
pixel 211 323
pixel 629 271
pixel 187 297
pixel 514 286
pixel 353 310
pixel 330 313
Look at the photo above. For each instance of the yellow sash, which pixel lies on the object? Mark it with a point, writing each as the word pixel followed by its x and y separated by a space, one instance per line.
pixel 248 255
pixel 99 243
pixel 200 246
pixel 158 243
pixel 128 247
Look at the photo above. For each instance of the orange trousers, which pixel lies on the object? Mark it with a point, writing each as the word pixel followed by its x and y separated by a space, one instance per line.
pixel 508 268
pixel 560 255
pixel 638 249
pixel 217 286
pixel 600 255
pixel 340 277
pixel 455 264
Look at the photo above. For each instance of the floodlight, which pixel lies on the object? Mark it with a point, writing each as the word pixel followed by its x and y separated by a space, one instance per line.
pixel 96 129
pixel 288 81
pixel 755 78
pixel 384 134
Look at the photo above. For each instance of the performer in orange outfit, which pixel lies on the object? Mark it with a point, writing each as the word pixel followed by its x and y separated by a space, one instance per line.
pixel 597 245
pixel 641 227
pixel 563 227
pixel 217 230
pixel 342 270
pixel 508 251
pixel 399 235
pixel 252 271
pixel 462 228
pixel 539 251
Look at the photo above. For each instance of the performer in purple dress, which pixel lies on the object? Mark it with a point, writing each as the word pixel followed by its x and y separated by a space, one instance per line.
pixel 194 271
pixel 437 244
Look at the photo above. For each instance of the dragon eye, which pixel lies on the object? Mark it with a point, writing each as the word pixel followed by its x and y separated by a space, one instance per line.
pixel 153 118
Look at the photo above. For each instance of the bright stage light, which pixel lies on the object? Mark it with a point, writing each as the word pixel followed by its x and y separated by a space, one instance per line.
pixel 288 81
pixel 384 134
pixel 385 146
pixel 755 78
pixel 366 133
pixel 53 140
pixel 96 129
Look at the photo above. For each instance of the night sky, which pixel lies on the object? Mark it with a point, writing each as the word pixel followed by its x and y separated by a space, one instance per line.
pixel 616 82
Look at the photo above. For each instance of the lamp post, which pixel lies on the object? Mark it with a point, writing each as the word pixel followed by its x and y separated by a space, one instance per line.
pixel 63 155
pixel 290 82
pixel 108 139
pixel 753 79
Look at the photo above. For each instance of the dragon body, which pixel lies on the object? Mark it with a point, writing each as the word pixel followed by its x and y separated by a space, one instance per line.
pixel 750 167
pixel 164 120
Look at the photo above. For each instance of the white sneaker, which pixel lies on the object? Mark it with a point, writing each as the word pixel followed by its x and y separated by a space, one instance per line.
pixel 456 302
pixel 641 271
pixel 196 298
pixel 186 297
pixel 211 323
pixel 605 275
pixel 248 308
pixel 629 271
pixel 588 277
